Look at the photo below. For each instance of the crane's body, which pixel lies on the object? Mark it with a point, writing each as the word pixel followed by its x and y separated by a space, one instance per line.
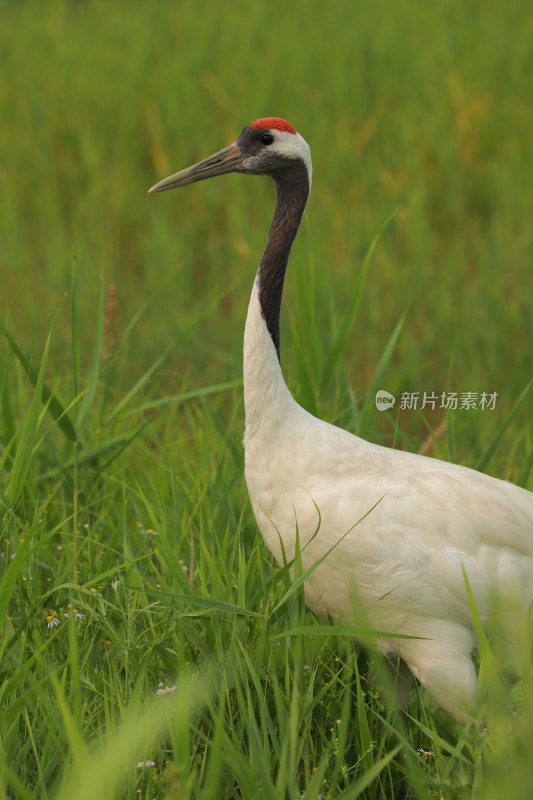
pixel 399 531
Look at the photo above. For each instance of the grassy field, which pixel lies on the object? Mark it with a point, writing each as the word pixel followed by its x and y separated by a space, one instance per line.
pixel 149 645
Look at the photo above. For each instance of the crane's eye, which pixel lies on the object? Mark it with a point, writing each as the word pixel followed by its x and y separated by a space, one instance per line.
pixel 267 138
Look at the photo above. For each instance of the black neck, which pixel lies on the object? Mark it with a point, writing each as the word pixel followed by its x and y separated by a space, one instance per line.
pixel 292 185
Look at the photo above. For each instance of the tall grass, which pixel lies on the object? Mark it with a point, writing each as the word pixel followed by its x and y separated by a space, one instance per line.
pixel 125 524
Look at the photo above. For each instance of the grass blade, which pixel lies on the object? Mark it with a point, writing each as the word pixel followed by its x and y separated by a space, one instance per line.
pixel 370 775
pixel 338 345
pixel 6 412
pixel 54 405
pixel 491 449
pixel 382 366
pixel 94 370
pixel 24 453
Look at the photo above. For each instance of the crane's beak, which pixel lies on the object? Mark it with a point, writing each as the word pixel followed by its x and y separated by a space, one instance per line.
pixel 226 160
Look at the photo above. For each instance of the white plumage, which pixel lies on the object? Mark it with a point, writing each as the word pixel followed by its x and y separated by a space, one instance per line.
pixel 403 530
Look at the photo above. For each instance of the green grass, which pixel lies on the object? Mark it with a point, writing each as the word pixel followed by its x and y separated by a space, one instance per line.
pixel 120 381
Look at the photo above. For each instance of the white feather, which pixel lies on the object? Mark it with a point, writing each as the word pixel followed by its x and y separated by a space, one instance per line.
pixel 402 564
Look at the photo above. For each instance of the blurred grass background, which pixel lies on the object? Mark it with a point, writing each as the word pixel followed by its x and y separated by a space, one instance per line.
pixel 418 109
pixel 422 108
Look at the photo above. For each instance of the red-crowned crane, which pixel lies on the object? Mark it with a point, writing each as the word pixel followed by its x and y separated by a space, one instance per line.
pixel 401 530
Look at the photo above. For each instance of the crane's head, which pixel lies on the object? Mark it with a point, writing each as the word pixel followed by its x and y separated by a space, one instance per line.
pixel 265 147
